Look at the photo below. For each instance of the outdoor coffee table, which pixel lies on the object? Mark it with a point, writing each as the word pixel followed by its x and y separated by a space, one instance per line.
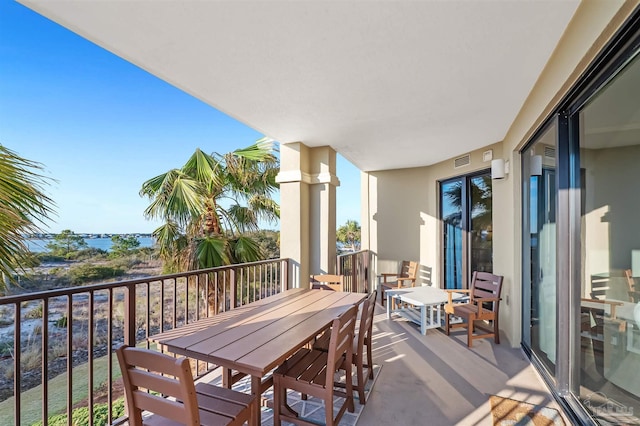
pixel 426 305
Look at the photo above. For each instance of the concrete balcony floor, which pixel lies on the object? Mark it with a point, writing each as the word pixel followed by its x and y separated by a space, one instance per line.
pixel 436 380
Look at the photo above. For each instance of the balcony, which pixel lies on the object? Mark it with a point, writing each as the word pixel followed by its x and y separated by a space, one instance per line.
pixel 432 377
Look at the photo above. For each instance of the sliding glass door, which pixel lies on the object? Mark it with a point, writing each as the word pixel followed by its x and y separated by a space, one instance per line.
pixel 581 241
pixel 539 273
pixel 466 215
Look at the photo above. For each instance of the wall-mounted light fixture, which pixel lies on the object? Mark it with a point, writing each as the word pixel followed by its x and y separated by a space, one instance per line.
pixel 499 168
pixel 536 165
pixel 635 263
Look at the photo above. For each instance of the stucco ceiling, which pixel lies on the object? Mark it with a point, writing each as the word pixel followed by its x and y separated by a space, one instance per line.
pixel 387 84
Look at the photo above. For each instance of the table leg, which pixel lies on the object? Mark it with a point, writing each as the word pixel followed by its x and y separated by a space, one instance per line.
pixel 227 377
pixel 256 390
pixel 388 305
pixel 423 319
pixel 432 320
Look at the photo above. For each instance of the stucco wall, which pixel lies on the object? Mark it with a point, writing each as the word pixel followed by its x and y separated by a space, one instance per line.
pixel 610 211
pixel 401 211
pixel 400 207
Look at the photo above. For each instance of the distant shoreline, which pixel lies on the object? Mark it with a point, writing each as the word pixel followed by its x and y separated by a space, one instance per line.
pixel 88 235
pixel 38 245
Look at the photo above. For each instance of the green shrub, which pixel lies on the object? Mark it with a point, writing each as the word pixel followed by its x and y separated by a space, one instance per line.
pixel 80 416
pixel 48 257
pixel 34 313
pixel 91 253
pixel 127 262
pixel 61 322
pixel 6 348
pixel 85 273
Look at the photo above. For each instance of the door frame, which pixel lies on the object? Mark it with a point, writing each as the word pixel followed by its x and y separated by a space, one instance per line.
pixel 465 223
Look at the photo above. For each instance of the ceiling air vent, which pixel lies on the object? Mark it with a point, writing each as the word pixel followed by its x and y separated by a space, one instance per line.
pixel 465 160
pixel 549 152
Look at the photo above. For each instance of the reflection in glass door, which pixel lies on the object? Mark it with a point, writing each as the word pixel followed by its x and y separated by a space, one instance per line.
pixel 466 213
pixel 540 244
pixel 451 194
pixel 480 229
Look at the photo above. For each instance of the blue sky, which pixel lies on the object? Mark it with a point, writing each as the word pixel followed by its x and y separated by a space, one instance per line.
pixel 100 126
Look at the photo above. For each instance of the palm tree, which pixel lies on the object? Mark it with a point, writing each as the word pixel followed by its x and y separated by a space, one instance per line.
pixel 349 234
pixel 210 204
pixel 23 208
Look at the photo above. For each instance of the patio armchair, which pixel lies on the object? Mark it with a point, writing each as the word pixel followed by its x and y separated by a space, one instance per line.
pixel 311 372
pixel 327 282
pixel 405 278
pixel 143 369
pixel 634 294
pixel 483 307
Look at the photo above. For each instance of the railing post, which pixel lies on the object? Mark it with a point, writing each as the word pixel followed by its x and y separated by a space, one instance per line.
pixel 366 262
pixel 355 282
pixel 130 315
pixel 284 274
pixel 233 287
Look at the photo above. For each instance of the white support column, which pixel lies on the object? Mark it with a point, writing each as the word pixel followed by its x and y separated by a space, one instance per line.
pixel 294 181
pixel 308 183
pixel 323 211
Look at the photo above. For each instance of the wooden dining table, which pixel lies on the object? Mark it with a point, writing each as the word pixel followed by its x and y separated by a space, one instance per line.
pixel 257 337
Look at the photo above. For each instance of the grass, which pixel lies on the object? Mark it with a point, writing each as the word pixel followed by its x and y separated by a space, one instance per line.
pixel 31 400
pixel 80 416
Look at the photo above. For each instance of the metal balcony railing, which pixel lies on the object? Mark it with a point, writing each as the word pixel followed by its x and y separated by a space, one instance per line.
pixel 82 326
pixel 356 268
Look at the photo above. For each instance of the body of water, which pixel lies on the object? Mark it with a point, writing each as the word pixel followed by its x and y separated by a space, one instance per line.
pixel 38 245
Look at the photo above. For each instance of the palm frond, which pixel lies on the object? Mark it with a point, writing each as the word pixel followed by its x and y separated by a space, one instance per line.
pixel 266 208
pixel 246 249
pixel 211 252
pixel 258 151
pixel 243 218
pixel 23 207
pixel 204 168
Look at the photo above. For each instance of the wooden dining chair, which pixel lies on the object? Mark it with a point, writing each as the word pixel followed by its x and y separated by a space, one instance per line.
pixel 191 404
pixel 634 294
pixel 483 306
pixel 311 372
pixel 327 282
pixel 405 278
pixel 362 339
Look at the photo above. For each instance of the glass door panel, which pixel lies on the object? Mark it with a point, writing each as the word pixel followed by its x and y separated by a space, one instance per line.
pixel 451 213
pixel 480 232
pixel 609 315
pixel 540 191
pixel 466 213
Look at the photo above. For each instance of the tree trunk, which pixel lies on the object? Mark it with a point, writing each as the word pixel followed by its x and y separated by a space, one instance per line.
pixel 212 222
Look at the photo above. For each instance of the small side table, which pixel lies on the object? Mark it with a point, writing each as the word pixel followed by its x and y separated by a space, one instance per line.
pixel 427 305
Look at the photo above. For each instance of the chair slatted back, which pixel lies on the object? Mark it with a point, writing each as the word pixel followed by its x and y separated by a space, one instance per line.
pixel 143 369
pixel 341 341
pixel 408 269
pixel 327 282
pixel 366 320
pixel 485 285
pixel 634 294
pixel 600 285
pixel 628 273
